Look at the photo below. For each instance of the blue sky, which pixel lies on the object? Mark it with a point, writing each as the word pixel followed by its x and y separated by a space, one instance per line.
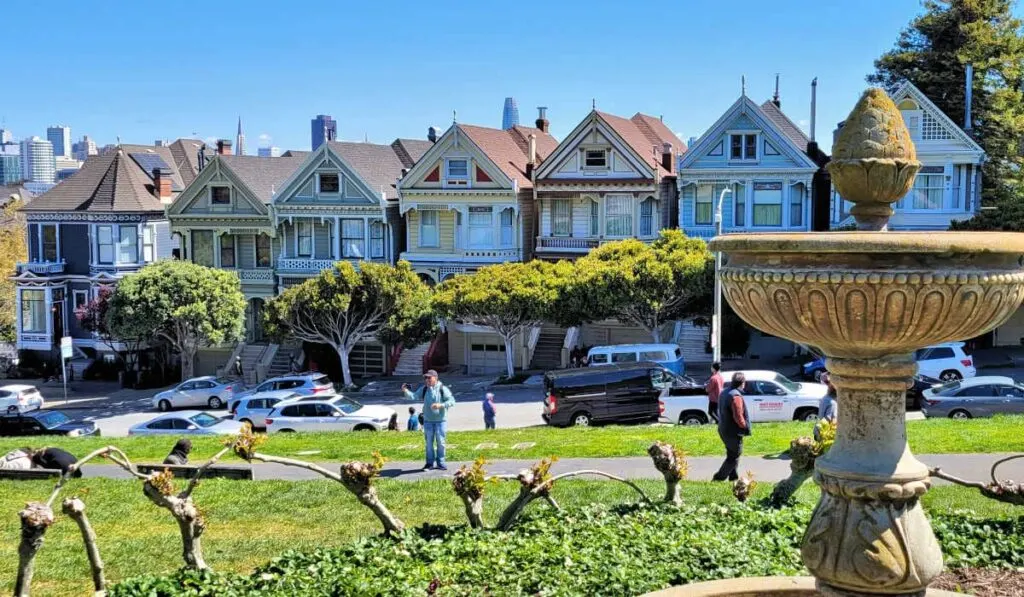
pixel 391 69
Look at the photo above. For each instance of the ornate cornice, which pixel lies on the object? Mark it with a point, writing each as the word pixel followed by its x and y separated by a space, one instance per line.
pixel 91 217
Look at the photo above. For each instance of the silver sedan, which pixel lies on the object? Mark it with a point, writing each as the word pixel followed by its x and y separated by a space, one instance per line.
pixel 187 422
pixel 974 397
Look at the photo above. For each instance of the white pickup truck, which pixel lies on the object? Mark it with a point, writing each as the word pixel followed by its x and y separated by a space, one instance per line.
pixel 770 396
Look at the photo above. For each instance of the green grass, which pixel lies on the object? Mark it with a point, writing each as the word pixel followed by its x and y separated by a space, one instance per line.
pixel 252 522
pixel 932 436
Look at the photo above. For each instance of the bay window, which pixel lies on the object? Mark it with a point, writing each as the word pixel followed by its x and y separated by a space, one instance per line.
pixel 507 221
pixel 648 215
pixel 429 234
pixel 227 251
pixel 561 217
pixel 595 218
pixel 767 204
pixel 352 239
pixel 128 244
pixel 618 219
pixel 202 247
pixel 33 311
pixel 481 228
pixel 304 238
pixel 105 245
pixel 377 239
pixel 148 253
pixel 262 250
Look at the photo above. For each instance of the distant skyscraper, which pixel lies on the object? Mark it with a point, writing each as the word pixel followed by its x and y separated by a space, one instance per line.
pixel 10 164
pixel 240 140
pixel 323 128
pixel 6 137
pixel 60 137
pixel 83 149
pixel 510 115
pixel 37 162
pixel 269 152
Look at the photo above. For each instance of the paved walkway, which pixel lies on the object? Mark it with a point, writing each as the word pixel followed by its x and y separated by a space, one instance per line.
pixel 768 469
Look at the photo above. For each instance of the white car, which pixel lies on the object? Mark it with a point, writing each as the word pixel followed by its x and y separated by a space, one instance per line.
pixel 255 408
pixel 770 396
pixel 947 362
pixel 208 391
pixel 187 422
pixel 333 414
pixel 19 398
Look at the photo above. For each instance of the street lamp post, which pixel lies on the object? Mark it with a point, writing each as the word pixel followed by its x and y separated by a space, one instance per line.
pixel 716 318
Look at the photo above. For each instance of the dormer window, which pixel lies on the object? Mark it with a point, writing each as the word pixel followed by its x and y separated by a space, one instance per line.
pixel 595 159
pixel 330 182
pixel 743 146
pixel 458 170
pixel 220 196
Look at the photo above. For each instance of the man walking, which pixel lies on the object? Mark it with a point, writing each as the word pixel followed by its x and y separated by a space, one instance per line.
pixel 489 411
pixel 437 399
pixel 714 389
pixel 733 426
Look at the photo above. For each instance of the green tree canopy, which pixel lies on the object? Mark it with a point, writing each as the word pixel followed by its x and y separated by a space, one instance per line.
pixel 187 305
pixel 639 284
pixel 125 333
pixel 509 298
pixel 343 306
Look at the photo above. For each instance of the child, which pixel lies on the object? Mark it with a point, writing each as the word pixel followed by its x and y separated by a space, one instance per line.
pixel 414 421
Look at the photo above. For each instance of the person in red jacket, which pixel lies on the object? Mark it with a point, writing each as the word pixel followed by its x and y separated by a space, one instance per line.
pixel 714 389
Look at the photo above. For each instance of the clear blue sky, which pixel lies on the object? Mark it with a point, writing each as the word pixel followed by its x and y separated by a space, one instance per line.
pixel 389 69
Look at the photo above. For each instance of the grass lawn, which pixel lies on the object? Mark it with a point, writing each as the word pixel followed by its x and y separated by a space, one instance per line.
pixel 252 522
pixel 931 436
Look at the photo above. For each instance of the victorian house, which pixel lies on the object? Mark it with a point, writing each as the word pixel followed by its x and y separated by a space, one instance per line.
pixel 104 222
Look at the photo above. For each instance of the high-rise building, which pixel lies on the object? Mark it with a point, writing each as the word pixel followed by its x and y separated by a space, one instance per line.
pixel 10 165
pixel 60 137
pixel 510 115
pixel 6 137
pixel 37 162
pixel 323 128
pixel 269 152
pixel 83 149
pixel 240 140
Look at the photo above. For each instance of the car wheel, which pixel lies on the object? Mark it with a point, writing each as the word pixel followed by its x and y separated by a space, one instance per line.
pixel 951 375
pixel 364 428
pixel 12 409
pixel 692 419
pixel 581 419
pixel 960 414
pixel 164 406
pixel 287 431
pixel 246 422
pixel 808 414
pixel 215 403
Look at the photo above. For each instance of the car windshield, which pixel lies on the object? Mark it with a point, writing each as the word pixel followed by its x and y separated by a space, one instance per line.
pixel 223 381
pixel 52 419
pixel 204 420
pixel 347 405
pixel 785 382
pixel 953 385
pixel 322 380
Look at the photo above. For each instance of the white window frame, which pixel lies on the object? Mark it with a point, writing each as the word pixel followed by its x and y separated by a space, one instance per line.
pixel 40 246
pixel 319 183
pixel 148 244
pixel 133 234
pixel 594 219
pixel 630 214
pixel 377 234
pixel 465 181
pixel 435 226
pixel 556 219
pixel 112 245
pixel 22 303
pixel 781 204
pixel 698 202
pixel 652 217
pixel 301 225
pixel 508 237
pixel 909 201
pixel 485 231
pixel 75 294
pixel 744 158
pixel 347 252
pixel 605 152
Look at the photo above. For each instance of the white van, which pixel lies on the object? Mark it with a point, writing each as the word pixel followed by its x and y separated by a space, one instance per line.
pixel 667 355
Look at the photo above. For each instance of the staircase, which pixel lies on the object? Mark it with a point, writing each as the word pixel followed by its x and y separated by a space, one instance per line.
pixel 410 362
pixel 692 342
pixel 282 361
pixel 548 353
pixel 250 355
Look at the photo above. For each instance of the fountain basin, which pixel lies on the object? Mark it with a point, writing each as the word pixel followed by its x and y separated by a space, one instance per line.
pixel 770 586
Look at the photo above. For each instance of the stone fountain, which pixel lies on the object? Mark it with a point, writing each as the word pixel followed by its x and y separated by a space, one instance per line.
pixel 868 300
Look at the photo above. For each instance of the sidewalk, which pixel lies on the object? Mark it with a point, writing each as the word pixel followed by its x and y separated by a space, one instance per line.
pixel 767 469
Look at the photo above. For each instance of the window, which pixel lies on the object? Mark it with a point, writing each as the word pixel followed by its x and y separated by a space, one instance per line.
pixel 623 357
pixel 481 227
pixel 704 205
pixel 227 251
pixel 739 194
pixel 262 250
pixel 743 147
pixel 561 217
pixel 33 310
pixel 429 236
pixel 927 192
pixel 353 240
pixel 982 390
pixel 599 358
pixel 128 245
pixel 796 205
pixel 162 424
pixel 148 253
pixel 105 244
pixel 457 170
pixel 595 218
pixel 648 213
pixel 330 183
pixel 768 204
pixel 377 239
pixel 940 352
pixel 654 355
pixel 220 195
pixel 618 215
pixel 48 237
pixel 81 298
pixel 202 247
pixel 326 410
pixel 507 219
pixel 304 237
pixel 595 158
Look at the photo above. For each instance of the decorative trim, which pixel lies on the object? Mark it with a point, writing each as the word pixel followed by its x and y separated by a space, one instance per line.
pixel 92 217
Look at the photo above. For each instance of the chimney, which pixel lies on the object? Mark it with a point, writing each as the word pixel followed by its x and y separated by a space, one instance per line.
pixel 201 157
pixel 775 98
pixel 814 104
pixel 542 118
pixel 969 91
pixel 223 147
pixel 531 155
pixel 432 134
pixel 162 184
pixel 666 156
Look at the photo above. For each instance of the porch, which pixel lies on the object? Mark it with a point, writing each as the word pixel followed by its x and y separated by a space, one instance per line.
pixel 575 223
pixel 309 245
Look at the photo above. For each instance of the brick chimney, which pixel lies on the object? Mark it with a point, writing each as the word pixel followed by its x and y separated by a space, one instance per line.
pixel 531 155
pixel 162 184
pixel 223 147
pixel 667 156
pixel 542 119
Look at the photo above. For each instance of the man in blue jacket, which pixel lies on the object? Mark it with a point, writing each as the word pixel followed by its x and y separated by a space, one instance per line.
pixel 436 399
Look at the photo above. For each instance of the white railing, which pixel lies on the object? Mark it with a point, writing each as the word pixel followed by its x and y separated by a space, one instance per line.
pixel 495 253
pixel 304 264
pixel 567 243
pixel 572 338
pixel 531 345
pixel 41 267
pixel 36 338
pixel 263 364
pixel 256 275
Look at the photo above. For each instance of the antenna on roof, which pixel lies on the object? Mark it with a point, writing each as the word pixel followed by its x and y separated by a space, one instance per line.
pixel 454 116
pixel 743 85
pixel 366 137
pixel 118 140
pixel 775 98
pixel 593 103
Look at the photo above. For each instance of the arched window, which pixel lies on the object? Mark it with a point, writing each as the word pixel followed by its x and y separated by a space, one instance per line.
pixel 648 217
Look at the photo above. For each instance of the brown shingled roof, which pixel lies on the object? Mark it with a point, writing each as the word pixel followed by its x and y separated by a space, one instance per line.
pixel 185 153
pixel 381 165
pixel 645 133
pixel 263 176
pixel 105 183
pixel 786 126
pixel 508 148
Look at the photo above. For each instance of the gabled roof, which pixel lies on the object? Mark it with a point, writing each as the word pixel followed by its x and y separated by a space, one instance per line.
pixel 105 183
pixel 646 135
pixel 908 89
pixel 786 126
pixel 185 153
pixel 137 153
pixel 381 165
pixel 508 149
pixel 295 153
pixel 262 176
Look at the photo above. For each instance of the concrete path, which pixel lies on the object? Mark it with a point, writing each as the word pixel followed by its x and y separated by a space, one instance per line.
pixel 768 469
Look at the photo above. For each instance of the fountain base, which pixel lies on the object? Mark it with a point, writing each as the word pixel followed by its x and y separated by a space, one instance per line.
pixel 770 586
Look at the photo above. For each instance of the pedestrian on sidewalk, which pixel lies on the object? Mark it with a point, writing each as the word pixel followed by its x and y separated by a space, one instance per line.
pixel 179 453
pixel 828 409
pixel 437 399
pixel 489 411
pixel 238 367
pixel 393 422
pixel 413 424
pixel 733 426
pixel 714 387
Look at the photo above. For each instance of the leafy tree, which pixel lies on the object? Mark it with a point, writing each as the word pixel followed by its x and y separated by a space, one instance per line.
pixel 932 53
pixel 94 316
pixel 13 249
pixel 344 306
pixel 187 305
pixel 639 284
pixel 509 298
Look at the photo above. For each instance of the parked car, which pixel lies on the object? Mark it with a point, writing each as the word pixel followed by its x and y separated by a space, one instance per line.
pixel 307 384
pixel 255 408
pixel 976 397
pixel 772 396
pixel 20 398
pixel 187 422
pixel 684 400
pixel 918 385
pixel 668 356
pixel 214 392
pixel 45 422
pixel 615 393
pixel 947 362
pixel 812 370
pixel 336 413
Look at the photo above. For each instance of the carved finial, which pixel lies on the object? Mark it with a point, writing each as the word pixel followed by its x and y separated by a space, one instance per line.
pixel 454 117
pixel 593 103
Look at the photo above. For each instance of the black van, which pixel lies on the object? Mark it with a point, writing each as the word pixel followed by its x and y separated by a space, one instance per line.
pixel 621 393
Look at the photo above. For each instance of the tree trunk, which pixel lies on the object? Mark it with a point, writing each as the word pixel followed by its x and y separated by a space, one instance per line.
pixel 656 334
pixel 346 373
pixel 512 511
pixel 190 523
pixel 474 510
pixel 667 461
pixel 74 508
pixel 367 495
pixel 510 354
pixel 784 490
pixel 35 519
pixel 188 363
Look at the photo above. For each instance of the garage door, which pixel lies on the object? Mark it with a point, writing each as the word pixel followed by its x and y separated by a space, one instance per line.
pixel 486 356
pixel 366 359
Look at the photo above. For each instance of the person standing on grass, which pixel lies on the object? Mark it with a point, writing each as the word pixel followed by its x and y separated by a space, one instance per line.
pixel 489 411
pixel 714 389
pixel 733 426
pixel 437 399
pixel 413 424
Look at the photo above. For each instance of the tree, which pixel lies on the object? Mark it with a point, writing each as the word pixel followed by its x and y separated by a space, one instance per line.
pixel 344 306
pixel 509 298
pixel 639 284
pixel 13 250
pixel 187 305
pixel 94 316
pixel 932 53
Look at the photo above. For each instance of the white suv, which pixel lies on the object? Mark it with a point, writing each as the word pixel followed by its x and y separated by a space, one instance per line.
pixel 947 362
pixel 336 413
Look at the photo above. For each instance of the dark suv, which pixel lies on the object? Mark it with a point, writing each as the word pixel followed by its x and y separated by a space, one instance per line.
pixel 623 393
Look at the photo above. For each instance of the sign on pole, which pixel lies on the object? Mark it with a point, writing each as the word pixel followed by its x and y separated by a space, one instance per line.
pixel 65 347
pixel 65 354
